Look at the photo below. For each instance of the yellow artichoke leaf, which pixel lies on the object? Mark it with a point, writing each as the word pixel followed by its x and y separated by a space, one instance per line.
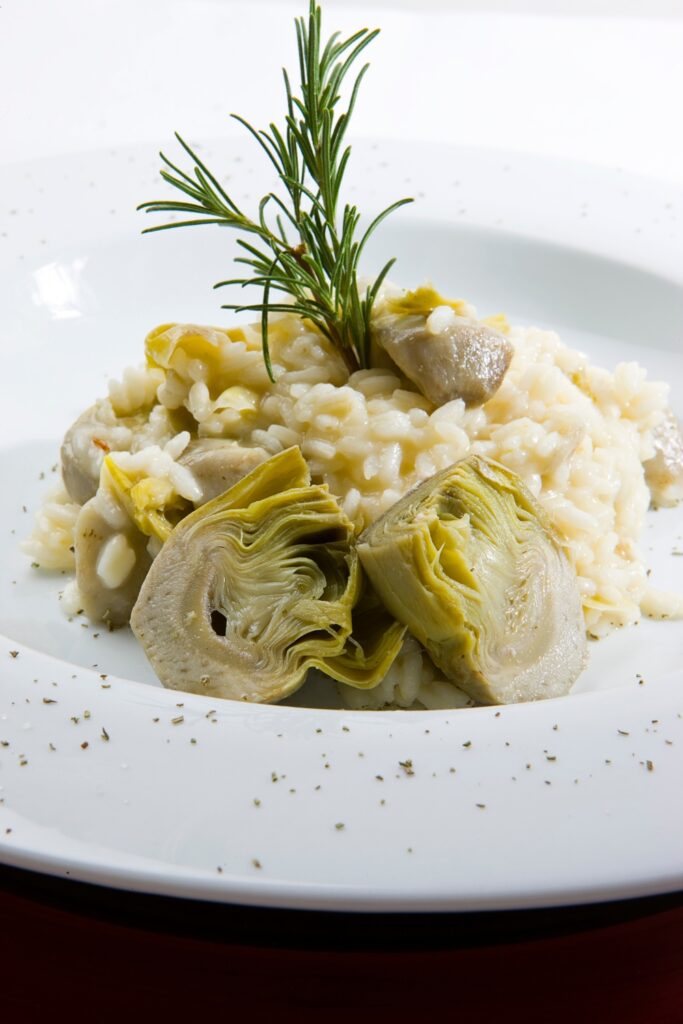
pixel 375 640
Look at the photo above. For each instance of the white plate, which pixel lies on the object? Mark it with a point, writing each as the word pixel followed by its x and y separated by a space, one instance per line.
pixel 514 807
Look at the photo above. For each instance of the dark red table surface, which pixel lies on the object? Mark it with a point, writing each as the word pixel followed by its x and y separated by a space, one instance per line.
pixel 99 954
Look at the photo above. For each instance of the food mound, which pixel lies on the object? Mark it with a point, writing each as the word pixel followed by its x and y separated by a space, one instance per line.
pixel 417 548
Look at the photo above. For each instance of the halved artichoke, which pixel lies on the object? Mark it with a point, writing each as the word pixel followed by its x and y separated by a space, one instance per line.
pixel 256 587
pixel 469 562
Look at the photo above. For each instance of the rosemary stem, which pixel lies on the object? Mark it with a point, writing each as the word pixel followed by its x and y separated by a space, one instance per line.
pixel 319 271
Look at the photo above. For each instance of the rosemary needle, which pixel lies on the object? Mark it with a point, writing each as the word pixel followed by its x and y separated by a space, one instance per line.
pixel 299 251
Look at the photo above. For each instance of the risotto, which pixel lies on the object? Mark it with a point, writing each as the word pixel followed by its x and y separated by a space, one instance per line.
pixel 575 434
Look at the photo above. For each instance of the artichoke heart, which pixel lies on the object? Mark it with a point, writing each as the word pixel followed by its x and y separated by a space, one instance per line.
pixel 256 587
pixel 469 562
pixel 458 358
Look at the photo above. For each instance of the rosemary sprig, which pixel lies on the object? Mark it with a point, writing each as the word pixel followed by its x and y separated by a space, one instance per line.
pixel 296 246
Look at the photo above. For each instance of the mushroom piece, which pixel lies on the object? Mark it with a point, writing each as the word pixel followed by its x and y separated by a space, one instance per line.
pixel 96 432
pixel 469 562
pixel 664 471
pixel 447 356
pixel 217 465
pixel 111 561
pixel 254 588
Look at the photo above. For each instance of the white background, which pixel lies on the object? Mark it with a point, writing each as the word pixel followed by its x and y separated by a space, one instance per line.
pixel 595 81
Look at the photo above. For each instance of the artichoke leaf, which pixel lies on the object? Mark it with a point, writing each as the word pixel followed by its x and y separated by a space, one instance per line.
pixel 470 563
pixel 150 503
pixel 422 301
pixel 254 588
pixel 375 641
pixel 175 348
pixel 171 345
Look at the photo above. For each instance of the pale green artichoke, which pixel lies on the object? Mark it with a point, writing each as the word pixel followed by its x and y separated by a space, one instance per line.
pixel 256 587
pixel 469 562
